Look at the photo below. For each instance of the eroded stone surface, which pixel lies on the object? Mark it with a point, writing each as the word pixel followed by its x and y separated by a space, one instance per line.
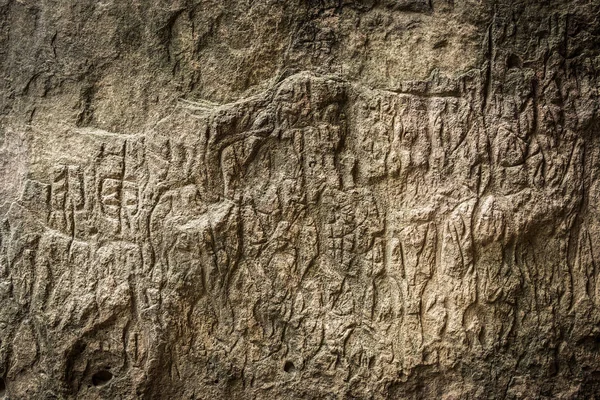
pixel 381 199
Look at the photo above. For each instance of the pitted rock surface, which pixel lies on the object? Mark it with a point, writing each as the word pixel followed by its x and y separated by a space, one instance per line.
pixel 383 199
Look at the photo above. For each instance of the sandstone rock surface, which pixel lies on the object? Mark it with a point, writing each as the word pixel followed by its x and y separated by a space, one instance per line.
pixel 380 199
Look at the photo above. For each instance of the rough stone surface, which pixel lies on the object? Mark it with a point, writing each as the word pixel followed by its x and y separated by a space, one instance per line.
pixel 268 199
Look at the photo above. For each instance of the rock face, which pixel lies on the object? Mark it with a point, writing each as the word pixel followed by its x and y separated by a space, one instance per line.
pixel 299 199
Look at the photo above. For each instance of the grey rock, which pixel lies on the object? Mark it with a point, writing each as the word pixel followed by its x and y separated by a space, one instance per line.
pixel 383 199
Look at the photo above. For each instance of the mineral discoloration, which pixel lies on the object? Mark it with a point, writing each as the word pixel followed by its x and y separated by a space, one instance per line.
pixel 384 199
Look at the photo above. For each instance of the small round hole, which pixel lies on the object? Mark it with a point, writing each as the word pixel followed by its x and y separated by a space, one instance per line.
pixel 514 61
pixel 289 367
pixel 101 378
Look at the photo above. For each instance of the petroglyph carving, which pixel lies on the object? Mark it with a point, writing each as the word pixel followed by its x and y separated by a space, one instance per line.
pixel 392 209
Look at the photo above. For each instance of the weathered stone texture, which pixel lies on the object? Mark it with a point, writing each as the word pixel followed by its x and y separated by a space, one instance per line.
pixel 299 199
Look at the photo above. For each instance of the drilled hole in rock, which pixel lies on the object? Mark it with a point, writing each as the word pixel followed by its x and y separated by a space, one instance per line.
pixel 514 61
pixel 2 387
pixel 101 378
pixel 289 366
